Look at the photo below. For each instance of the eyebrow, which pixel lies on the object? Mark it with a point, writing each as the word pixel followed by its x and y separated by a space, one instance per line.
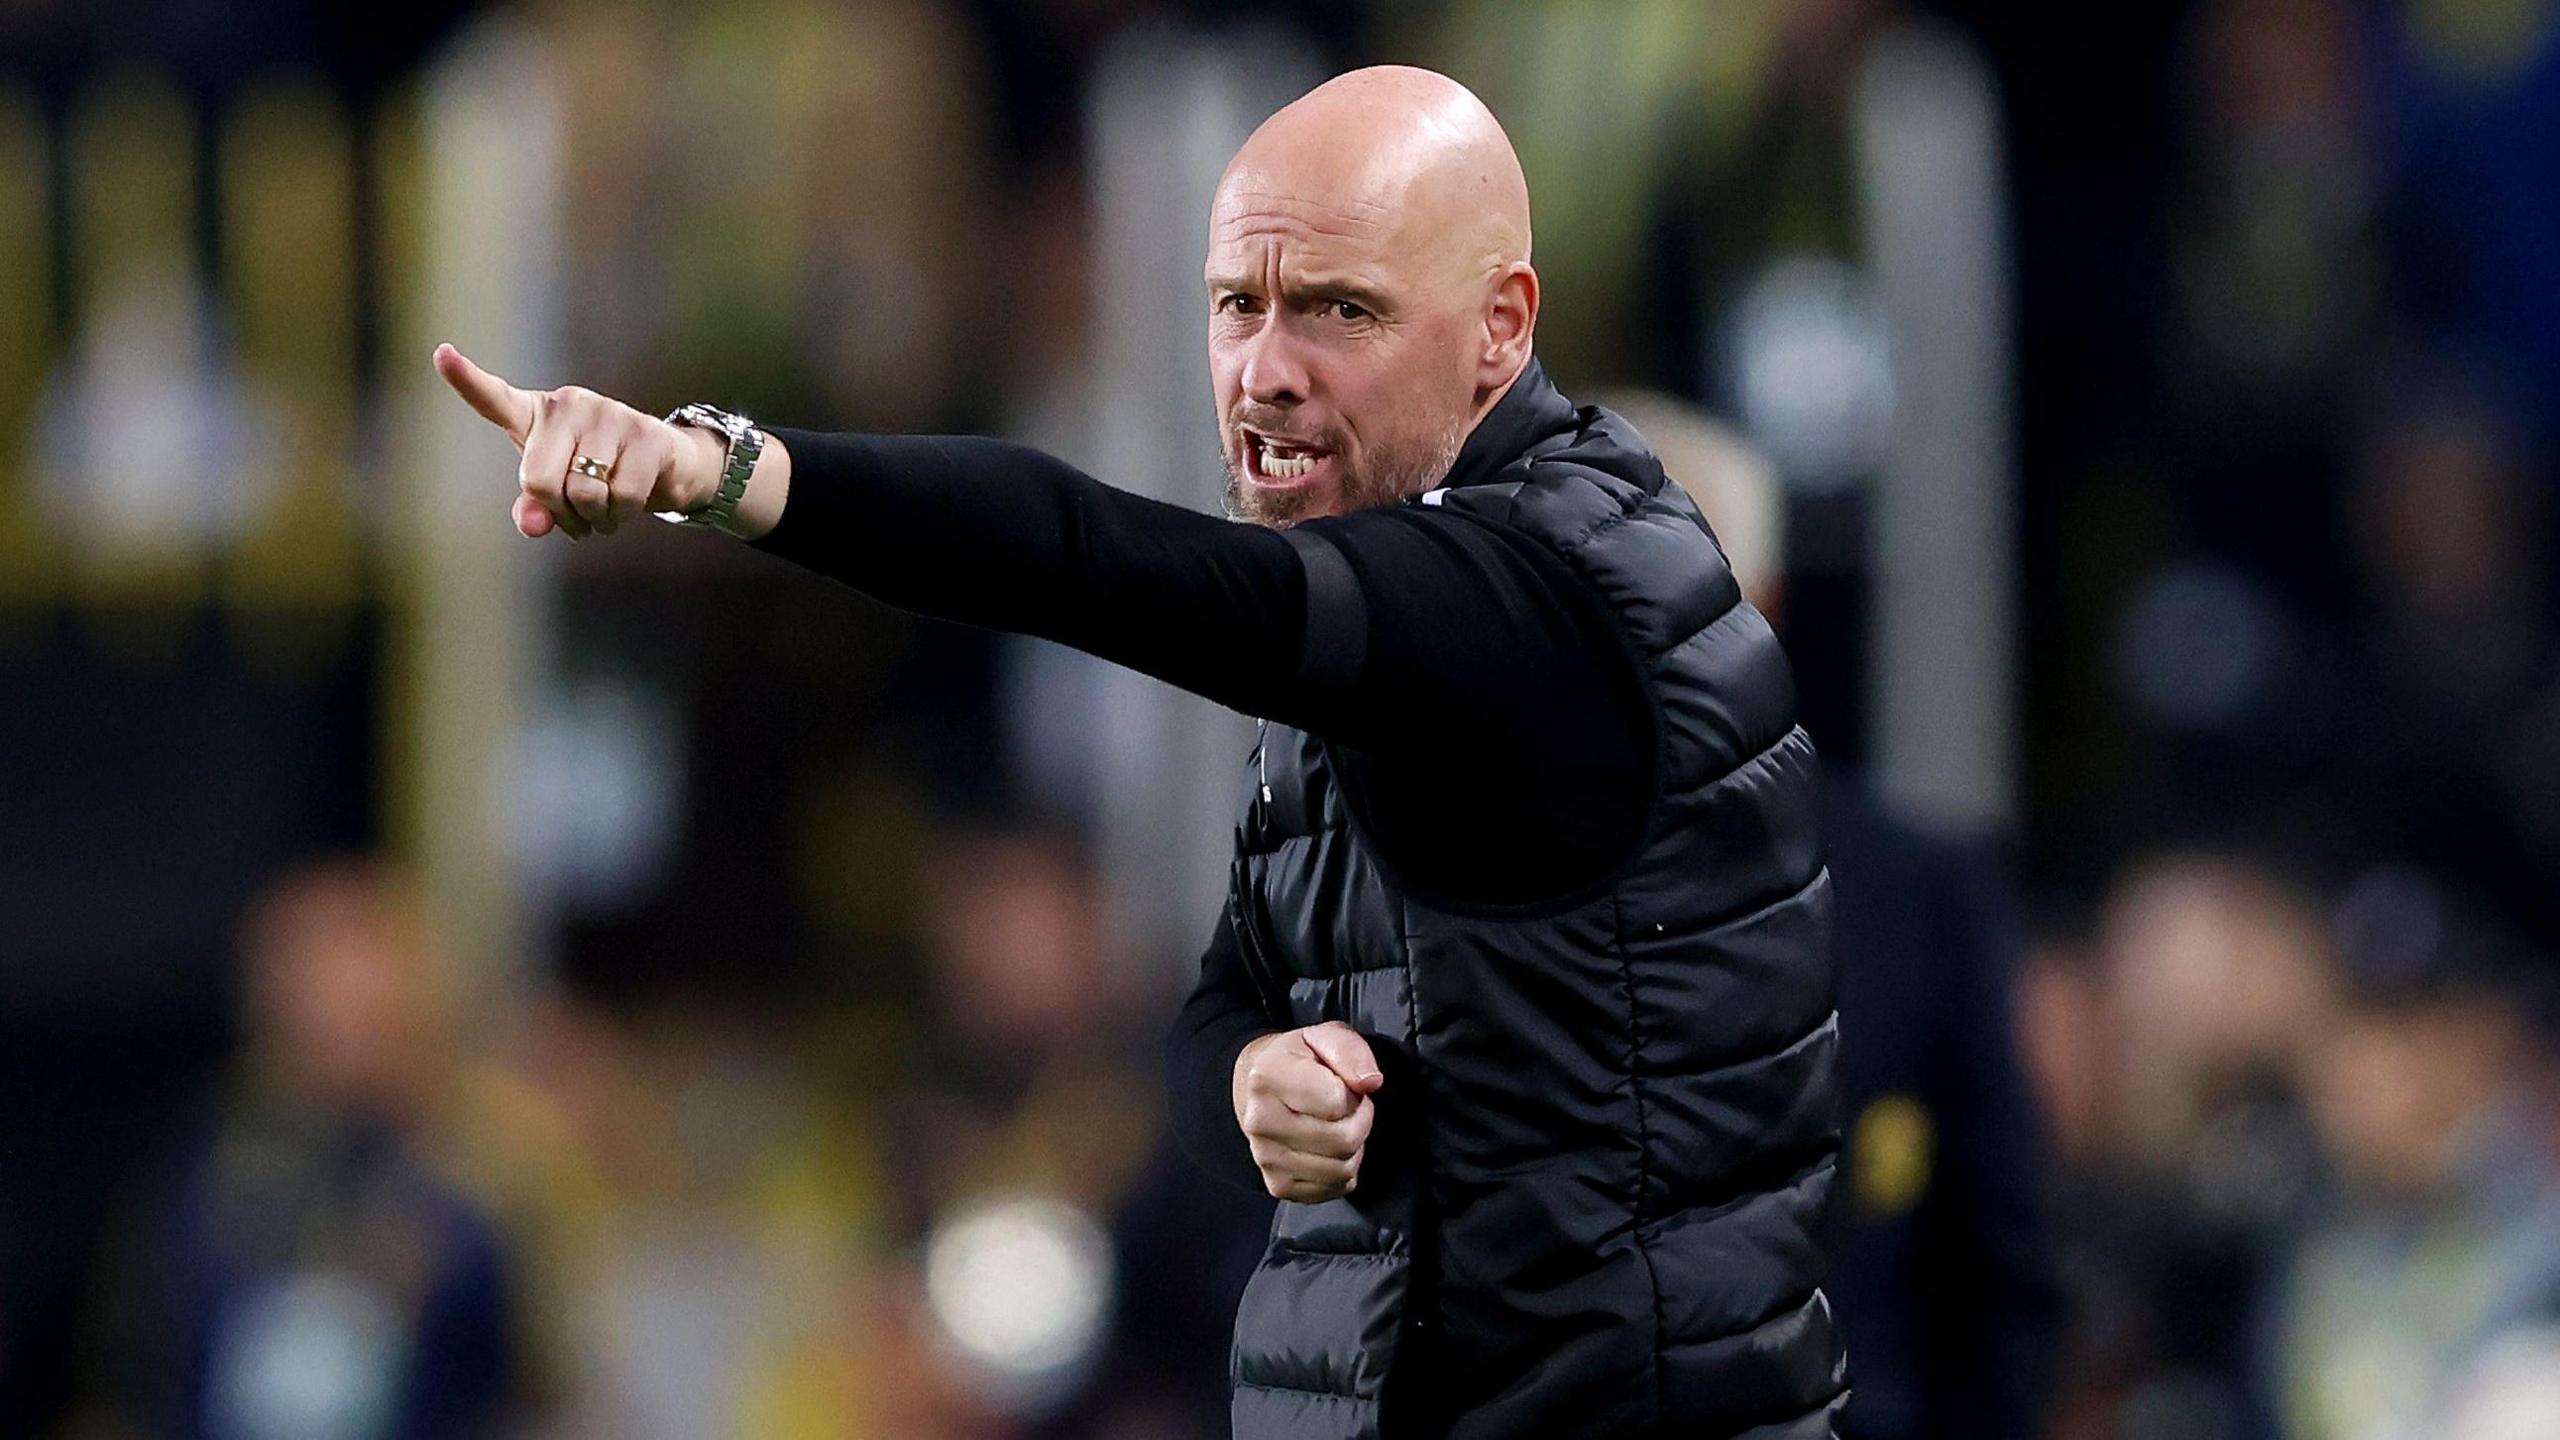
pixel 1328 287
pixel 1343 287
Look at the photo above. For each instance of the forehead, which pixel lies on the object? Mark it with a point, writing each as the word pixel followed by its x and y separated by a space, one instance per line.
pixel 1337 226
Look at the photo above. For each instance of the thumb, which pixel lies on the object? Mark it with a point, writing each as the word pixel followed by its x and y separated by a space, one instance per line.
pixel 498 402
pixel 1347 1055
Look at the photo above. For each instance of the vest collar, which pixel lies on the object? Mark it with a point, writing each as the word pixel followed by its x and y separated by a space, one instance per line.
pixel 1530 411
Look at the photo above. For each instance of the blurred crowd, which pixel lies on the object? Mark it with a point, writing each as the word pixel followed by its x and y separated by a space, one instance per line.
pixel 2218 1096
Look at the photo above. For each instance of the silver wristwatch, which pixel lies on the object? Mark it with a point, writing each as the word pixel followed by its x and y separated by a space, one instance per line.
pixel 746 442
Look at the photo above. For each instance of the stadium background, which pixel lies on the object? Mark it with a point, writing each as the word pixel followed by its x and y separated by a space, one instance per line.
pixel 653 992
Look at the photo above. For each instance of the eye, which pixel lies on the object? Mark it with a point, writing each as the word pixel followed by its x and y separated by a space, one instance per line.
pixel 1236 302
pixel 1351 310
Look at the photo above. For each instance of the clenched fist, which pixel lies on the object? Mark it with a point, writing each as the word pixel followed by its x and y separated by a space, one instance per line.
pixel 1302 1100
pixel 652 465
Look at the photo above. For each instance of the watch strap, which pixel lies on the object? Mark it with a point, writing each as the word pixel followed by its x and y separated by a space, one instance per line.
pixel 745 445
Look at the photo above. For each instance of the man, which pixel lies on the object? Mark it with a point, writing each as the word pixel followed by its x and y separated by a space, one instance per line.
pixel 1522 995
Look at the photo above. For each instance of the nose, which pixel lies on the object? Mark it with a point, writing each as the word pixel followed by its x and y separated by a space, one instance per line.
pixel 1274 372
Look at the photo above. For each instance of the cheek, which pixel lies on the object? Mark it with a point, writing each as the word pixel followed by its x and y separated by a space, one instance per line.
pixel 1417 389
pixel 1458 346
pixel 1373 391
pixel 1222 371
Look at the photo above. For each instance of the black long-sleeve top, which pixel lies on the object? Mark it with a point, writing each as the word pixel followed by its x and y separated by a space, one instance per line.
pixel 1484 655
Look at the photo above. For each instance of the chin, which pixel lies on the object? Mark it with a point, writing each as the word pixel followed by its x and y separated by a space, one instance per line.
pixel 1281 506
pixel 1277 511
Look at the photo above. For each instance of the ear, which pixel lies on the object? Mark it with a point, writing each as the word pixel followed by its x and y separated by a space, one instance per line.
pixel 1510 322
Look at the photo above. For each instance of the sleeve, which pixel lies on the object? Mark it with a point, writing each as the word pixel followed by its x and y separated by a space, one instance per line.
pixel 1353 627
pixel 1222 1016
pixel 1430 631
pixel 1003 536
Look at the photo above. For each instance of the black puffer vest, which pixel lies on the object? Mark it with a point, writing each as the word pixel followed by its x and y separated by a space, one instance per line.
pixel 1606 1140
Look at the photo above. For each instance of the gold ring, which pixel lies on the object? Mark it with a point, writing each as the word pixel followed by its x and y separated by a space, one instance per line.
pixel 591 467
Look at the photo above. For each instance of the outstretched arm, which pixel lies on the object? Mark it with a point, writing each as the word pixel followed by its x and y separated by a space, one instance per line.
pixel 1432 634
pixel 957 528
pixel 1004 536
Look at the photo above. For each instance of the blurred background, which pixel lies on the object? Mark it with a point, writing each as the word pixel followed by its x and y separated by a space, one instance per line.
pixel 455 986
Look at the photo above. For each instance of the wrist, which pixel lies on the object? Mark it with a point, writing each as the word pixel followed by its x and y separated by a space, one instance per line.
pixel 700 457
pixel 740 449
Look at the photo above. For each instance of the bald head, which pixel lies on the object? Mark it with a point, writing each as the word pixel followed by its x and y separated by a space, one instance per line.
pixel 1370 291
pixel 1410 147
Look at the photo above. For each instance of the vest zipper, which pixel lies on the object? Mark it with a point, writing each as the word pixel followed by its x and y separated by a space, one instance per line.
pixel 1261 755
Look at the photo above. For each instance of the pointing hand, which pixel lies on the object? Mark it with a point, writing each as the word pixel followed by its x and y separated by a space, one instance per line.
pixel 648 464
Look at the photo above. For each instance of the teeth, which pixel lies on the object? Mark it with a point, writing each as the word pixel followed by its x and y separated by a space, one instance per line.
pixel 1281 463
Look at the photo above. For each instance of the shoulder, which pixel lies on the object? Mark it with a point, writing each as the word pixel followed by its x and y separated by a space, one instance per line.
pixel 1568 483
pixel 1434 557
pixel 1597 497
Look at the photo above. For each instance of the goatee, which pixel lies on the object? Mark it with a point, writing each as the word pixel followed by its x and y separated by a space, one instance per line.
pixel 1395 472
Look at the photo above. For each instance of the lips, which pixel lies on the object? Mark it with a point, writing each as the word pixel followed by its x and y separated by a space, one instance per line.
pixel 1274 460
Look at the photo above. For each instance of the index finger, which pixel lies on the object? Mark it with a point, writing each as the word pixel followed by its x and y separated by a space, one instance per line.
pixel 498 402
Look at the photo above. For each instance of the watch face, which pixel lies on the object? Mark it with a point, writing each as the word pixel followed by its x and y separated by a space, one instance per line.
pixel 712 418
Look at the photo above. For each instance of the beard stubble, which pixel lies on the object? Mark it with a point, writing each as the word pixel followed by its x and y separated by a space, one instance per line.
pixel 1396 472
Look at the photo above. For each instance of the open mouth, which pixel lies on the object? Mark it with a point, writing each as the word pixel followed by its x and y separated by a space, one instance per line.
pixel 1270 460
